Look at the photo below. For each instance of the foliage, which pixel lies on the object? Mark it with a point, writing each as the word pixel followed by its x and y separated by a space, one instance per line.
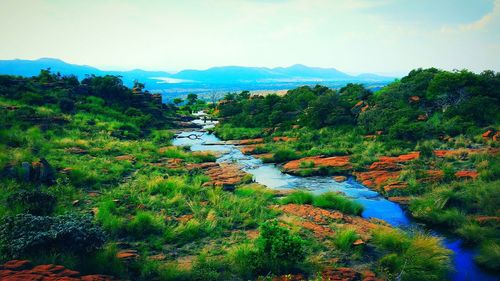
pixel 26 234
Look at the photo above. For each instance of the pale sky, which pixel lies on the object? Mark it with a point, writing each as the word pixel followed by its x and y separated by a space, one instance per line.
pixel 379 36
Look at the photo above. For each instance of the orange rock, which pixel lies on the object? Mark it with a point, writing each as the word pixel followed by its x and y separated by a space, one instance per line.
pixel 250 149
pixel 432 176
pixel 24 271
pixel 376 179
pixel 414 99
pixel 130 158
pixel 488 135
pixel 403 200
pixel 285 139
pixel 319 161
pixel 395 185
pixel 340 178
pixel 127 255
pixel 317 215
pixel 250 141
pixel 486 219
pixel 340 274
pixel 467 175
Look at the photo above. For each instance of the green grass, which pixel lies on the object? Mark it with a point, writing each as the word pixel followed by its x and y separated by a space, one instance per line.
pixel 344 239
pixel 489 256
pixel 336 201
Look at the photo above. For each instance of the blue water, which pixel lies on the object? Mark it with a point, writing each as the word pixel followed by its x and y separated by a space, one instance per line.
pixel 375 205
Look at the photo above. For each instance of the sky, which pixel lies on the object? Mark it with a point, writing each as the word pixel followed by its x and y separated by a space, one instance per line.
pixel 355 36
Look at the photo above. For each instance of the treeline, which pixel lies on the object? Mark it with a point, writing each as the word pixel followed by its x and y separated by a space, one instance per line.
pixel 66 94
pixel 424 104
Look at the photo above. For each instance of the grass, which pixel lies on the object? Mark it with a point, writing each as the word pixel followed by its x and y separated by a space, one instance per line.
pixel 489 256
pixel 344 239
pixel 336 201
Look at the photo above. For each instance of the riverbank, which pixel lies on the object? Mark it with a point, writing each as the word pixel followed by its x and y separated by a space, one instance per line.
pixel 378 179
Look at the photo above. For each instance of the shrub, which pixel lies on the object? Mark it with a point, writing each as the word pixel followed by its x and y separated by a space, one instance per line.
pixel 284 154
pixel 143 225
pixel 66 105
pixel 489 256
pixel 278 250
pixel 344 238
pixel 332 200
pixel 24 235
pixel 32 202
pixel 390 239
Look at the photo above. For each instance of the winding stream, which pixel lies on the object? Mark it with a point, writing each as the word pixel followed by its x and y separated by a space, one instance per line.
pixel 375 205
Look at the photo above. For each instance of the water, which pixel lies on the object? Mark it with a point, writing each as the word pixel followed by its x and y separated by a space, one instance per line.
pixel 375 206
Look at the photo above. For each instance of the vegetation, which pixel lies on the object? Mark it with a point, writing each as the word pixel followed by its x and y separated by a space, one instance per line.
pixel 426 111
pixel 87 171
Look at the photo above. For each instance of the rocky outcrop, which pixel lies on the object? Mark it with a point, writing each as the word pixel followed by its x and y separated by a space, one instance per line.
pixel 227 176
pixel 491 135
pixel 341 163
pixel 472 175
pixel 284 139
pixel 23 270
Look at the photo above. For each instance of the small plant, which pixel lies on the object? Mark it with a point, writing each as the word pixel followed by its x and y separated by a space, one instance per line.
pixel 489 256
pixel 332 200
pixel 298 197
pixel 144 225
pixel 345 238
pixel 32 202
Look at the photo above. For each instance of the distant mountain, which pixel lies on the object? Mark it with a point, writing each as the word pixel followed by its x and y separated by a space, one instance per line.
pixel 222 79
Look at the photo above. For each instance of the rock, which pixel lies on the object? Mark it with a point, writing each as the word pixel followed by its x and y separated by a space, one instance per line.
pixel 76 150
pixel 358 242
pixel 414 99
pixel 315 214
pixel 340 178
pixel 127 255
pixel 249 141
pixel 488 135
pixel 16 265
pixel 403 200
pixel 284 139
pixel 24 271
pixel 376 179
pixel 395 185
pixel 486 219
pixel 224 175
pixel 129 158
pixel 422 117
pixel 466 175
pixel 250 149
pixel 47 174
pixel 340 274
pixel 339 162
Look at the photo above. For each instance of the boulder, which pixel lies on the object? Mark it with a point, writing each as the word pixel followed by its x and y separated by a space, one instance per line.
pixel 23 270
pixel 472 175
pixel 340 178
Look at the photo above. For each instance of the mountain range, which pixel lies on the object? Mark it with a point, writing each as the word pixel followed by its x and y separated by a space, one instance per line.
pixel 223 78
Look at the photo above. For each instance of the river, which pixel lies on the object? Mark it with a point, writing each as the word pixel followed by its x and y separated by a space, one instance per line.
pixel 375 205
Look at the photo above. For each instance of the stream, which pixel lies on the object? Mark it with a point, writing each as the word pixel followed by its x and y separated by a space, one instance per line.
pixel 375 205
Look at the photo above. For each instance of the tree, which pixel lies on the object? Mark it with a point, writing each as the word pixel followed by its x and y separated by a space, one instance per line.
pixel 178 101
pixel 192 99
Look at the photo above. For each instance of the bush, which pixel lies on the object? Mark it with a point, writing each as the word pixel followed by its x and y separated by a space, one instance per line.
pixel 24 235
pixel 31 202
pixel 344 238
pixel 279 251
pixel 489 256
pixel 143 225
pixel 66 105
pixel 284 154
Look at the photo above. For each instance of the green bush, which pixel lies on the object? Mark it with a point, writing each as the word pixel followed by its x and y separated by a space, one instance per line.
pixel 32 202
pixel 345 238
pixel 24 235
pixel 143 225
pixel 279 251
pixel 489 256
